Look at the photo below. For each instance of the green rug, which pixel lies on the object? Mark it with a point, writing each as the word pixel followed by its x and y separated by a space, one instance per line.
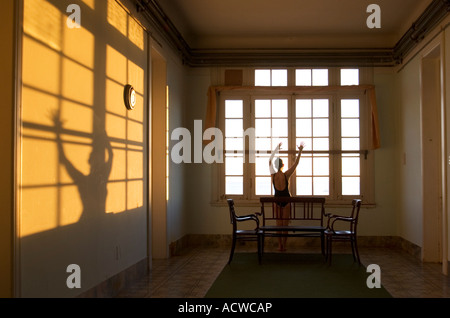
pixel 285 275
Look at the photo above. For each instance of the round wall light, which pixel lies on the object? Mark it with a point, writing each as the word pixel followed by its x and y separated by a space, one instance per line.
pixel 129 96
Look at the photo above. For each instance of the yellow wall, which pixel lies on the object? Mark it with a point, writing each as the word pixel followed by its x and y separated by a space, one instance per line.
pixel 6 144
pixel 83 154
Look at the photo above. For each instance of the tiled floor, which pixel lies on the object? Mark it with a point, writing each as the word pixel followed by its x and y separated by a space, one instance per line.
pixel 190 275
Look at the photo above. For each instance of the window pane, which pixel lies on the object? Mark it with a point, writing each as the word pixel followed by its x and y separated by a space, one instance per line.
pixel 279 108
pixel 350 127
pixel 262 108
pixel 320 127
pixel 321 185
pixel 303 108
pixel 350 166
pixel 321 144
pixel 234 128
pixel 263 186
pixel 305 166
pixel 350 108
pixel 303 128
pixel 279 77
pixel 276 141
pixel 350 144
pixel 234 144
pixel 234 185
pixel 233 108
pixel 351 186
pixel 280 127
pixel 321 166
pixel 262 128
pixel 320 107
pixel 303 77
pixel 262 77
pixel 349 77
pixel 234 166
pixel 304 186
pixel 320 77
pixel 262 166
pixel 263 144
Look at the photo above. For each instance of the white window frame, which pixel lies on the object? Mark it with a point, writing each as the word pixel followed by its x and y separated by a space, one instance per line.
pixel 335 198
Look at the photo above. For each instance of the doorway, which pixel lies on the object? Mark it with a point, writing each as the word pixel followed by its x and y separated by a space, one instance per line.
pixel 433 162
pixel 159 246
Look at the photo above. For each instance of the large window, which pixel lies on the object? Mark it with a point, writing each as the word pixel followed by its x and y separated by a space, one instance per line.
pixel 331 121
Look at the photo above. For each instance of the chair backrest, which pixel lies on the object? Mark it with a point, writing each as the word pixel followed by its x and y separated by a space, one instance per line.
pixel 232 211
pixel 356 206
pixel 302 208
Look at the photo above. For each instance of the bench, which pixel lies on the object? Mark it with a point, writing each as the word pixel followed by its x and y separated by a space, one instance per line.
pixel 306 218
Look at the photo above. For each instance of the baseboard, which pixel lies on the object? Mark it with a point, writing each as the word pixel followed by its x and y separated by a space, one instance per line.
pixel 224 240
pixel 112 286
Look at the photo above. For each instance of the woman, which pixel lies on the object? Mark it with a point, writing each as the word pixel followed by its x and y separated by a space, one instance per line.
pixel 280 181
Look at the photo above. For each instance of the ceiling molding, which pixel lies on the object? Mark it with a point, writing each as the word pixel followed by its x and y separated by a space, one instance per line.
pixel 385 57
pixel 433 14
pixel 291 57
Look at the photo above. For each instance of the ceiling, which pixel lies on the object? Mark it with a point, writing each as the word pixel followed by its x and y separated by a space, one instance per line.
pixel 290 24
pixel 292 32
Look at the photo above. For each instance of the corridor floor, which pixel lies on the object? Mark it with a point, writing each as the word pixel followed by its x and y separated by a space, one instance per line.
pixel 190 275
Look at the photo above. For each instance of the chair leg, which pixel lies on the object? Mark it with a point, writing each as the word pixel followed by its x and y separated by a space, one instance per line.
pixel 233 245
pixel 356 250
pixel 262 244
pixel 329 248
pixel 352 242
pixel 322 244
pixel 259 238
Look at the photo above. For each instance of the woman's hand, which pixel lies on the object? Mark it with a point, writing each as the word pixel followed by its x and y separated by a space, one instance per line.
pixel 302 145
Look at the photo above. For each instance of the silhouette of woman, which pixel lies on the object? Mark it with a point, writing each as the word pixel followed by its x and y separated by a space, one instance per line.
pixel 93 186
pixel 280 181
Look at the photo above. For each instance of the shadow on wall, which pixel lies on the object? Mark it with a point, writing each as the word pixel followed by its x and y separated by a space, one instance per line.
pixel 92 187
pixel 101 243
pixel 83 192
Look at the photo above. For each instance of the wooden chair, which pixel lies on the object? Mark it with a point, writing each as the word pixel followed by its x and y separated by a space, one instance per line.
pixel 243 235
pixel 332 233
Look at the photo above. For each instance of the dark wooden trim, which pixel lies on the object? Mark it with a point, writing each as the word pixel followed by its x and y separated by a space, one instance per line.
pixel 433 14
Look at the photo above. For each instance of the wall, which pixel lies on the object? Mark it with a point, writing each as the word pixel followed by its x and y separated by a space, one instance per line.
pixel 7 20
pixel 380 220
pixel 409 96
pixel 398 163
pixel 446 87
pixel 447 111
pixel 83 160
pixel 178 216
pixel 410 196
